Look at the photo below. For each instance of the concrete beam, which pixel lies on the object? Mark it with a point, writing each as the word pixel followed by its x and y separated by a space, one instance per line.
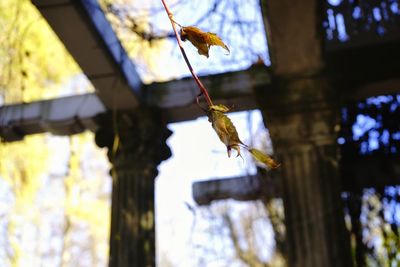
pixel 366 171
pixel 377 171
pixel 384 87
pixel 91 41
pixel 62 116
pixel 244 188
pixel 175 98
pixel 88 36
pixel 231 88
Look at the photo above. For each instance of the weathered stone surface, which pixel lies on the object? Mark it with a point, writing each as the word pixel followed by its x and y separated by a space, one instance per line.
pixel 141 136
pixel 294 35
pixel 61 116
pixel 300 111
pixel 88 36
pixel 300 114
pixel 239 188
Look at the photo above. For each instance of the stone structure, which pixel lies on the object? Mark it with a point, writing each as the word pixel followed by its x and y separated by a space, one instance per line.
pixel 302 120
pixel 300 110
pixel 299 102
pixel 136 146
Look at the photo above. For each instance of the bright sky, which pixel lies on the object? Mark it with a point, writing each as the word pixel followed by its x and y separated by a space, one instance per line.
pixel 198 154
pixel 238 23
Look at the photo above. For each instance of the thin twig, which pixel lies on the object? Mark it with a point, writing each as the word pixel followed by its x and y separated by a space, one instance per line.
pixel 202 88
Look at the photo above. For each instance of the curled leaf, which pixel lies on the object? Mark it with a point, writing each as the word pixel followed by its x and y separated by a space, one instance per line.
pixel 224 128
pixel 263 158
pixel 201 40
pixel 220 108
pixel 227 133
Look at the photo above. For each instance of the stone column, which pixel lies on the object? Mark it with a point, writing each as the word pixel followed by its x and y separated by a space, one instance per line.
pixel 136 146
pixel 301 118
pixel 300 111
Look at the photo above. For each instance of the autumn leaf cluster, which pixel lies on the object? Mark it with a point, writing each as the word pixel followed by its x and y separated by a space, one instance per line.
pixel 220 122
pixel 227 133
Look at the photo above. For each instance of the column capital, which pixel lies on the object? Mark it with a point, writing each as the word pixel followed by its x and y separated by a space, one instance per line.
pixel 135 139
pixel 300 110
pixel 301 115
pixel 136 142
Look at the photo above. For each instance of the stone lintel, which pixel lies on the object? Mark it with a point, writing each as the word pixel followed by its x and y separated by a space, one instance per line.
pixel 90 39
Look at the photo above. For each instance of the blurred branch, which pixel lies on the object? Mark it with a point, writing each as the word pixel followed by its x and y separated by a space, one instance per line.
pixel 247 256
pixel 215 18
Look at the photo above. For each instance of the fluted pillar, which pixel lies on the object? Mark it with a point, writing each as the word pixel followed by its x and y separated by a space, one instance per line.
pixel 300 110
pixel 301 116
pixel 136 146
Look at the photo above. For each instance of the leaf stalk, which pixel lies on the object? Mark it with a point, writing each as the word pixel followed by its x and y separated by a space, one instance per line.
pixel 202 88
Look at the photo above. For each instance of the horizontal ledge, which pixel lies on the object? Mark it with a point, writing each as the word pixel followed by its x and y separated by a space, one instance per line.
pixel 88 36
pixel 245 188
pixel 61 116
pixel 365 171
pixel 68 115
pixel 357 173
pixel 384 87
pixel 71 115
pixel 183 92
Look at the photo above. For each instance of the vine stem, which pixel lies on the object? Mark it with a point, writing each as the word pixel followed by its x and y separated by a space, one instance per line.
pixel 203 90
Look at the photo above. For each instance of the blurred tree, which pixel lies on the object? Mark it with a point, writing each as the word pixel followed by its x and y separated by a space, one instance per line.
pixel 373 222
pixel 33 62
pixel 370 129
pixel 145 32
pixel 47 215
pixel 240 234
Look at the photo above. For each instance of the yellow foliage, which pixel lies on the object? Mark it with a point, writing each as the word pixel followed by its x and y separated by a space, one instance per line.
pixel 25 166
pixel 22 166
pixel 94 211
pixel 33 62
pixel 34 65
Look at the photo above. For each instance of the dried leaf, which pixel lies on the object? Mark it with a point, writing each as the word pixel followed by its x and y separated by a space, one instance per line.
pixel 201 40
pixel 263 158
pixel 227 133
pixel 224 128
pixel 220 108
pixel 215 40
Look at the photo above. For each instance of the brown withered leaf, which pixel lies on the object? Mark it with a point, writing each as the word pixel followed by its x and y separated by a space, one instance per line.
pixel 227 133
pixel 201 40
pixel 263 158
pixel 224 128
